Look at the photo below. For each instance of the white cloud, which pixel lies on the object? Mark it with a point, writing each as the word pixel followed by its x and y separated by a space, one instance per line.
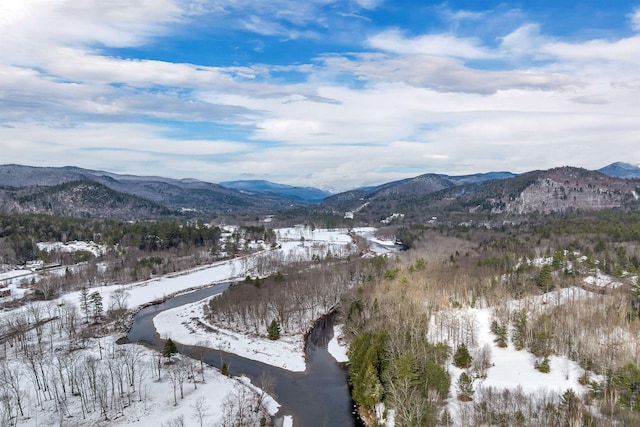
pixel 623 51
pixel 444 74
pixel 634 17
pixel 409 105
pixel 37 25
pixel 524 41
pixel 369 4
pixel 430 44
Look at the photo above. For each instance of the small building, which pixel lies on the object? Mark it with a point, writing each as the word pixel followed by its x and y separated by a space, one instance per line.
pixel 35 265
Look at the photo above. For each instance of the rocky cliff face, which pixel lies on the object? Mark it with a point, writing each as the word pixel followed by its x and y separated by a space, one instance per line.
pixel 565 189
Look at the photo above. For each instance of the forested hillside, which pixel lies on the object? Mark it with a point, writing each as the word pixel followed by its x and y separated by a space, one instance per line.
pixel 562 289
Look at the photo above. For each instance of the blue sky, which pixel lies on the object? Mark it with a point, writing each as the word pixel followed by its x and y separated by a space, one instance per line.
pixel 327 93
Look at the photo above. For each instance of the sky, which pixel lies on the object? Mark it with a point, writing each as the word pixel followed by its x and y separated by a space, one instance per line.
pixel 333 94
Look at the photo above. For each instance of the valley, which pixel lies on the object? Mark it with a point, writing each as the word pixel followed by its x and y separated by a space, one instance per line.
pixel 521 310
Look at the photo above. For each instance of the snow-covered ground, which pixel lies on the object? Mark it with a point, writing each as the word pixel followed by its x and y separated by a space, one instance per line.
pixel 155 404
pixel 602 280
pixel 74 246
pixel 337 348
pixel 184 324
pixel 513 368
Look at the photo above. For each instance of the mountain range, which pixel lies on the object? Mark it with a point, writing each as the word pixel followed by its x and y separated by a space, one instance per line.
pixel 73 191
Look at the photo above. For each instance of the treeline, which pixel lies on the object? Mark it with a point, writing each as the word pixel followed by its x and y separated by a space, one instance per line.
pixel 615 225
pixel 130 251
pixel 19 234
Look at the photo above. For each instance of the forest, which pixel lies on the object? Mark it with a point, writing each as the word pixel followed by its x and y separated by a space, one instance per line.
pixel 416 323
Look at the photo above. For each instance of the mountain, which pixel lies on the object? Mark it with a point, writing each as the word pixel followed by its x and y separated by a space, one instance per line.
pixel 305 194
pixel 393 194
pixel 562 189
pixel 621 170
pixel 75 191
pixel 78 199
pixel 555 190
pixel 175 194
pixel 479 177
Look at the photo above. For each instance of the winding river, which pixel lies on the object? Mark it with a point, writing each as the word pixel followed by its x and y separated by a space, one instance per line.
pixel 317 397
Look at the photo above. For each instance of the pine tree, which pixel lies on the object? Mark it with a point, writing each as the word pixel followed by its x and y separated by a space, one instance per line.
pixel 169 348
pixel 225 370
pixel 462 359
pixel 465 387
pixel 274 330
pixel 367 389
pixel 520 329
pixel 545 278
pixel 96 303
pixel 500 331
pixel 84 303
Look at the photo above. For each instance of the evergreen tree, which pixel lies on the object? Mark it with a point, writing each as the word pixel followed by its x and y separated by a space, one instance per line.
pixel 436 379
pixel 465 387
pixel 520 329
pixel 462 359
pixel 225 370
pixel 626 383
pixel 500 331
pixel 273 330
pixel 169 348
pixel 96 304
pixel 84 303
pixel 545 278
pixel 367 389
pixel 558 259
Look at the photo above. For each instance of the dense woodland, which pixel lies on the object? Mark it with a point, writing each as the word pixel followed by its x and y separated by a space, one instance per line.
pixel 407 322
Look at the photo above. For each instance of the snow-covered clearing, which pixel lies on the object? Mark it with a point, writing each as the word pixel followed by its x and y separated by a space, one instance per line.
pixel 74 246
pixel 513 369
pixel 187 325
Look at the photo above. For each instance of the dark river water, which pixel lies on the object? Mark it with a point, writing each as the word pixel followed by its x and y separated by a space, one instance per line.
pixel 315 398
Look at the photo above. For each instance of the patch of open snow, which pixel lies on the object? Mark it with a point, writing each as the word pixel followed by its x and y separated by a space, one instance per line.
pixel 74 246
pixel 513 368
pixel 336 346
pixel 185 325
pixel 12 274
pixel 601 280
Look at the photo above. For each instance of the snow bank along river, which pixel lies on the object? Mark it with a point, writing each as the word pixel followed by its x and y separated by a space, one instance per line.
pixel 317 397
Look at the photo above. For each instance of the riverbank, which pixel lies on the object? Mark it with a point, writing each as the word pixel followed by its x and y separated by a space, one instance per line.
pixel 150 402
pixel 187 325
